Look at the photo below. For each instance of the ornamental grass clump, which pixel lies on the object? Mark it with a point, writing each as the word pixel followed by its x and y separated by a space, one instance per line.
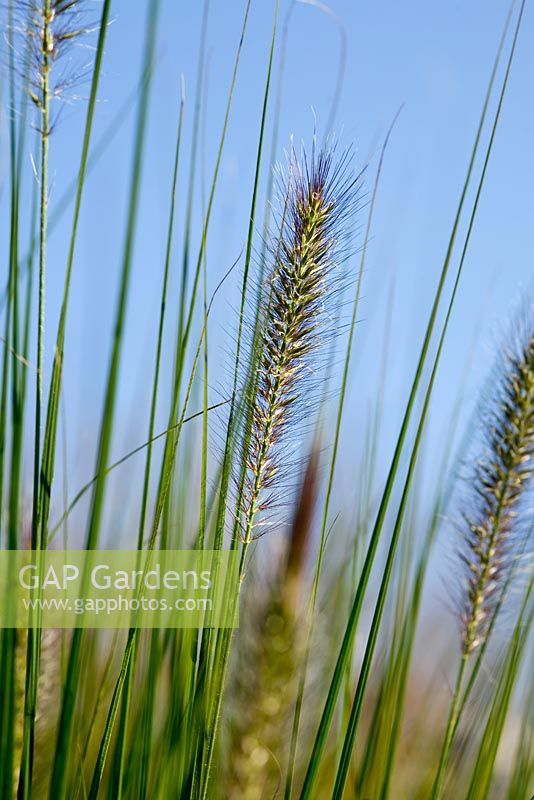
pixel 324 690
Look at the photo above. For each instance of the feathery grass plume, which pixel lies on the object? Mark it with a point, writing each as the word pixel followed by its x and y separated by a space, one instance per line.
pixel 319 195
pixel 46 30
pixel 500 481
pixel 266 665
pixel 493 529
pixel 50 26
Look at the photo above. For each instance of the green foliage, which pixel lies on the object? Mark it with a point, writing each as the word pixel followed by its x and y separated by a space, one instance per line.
pixel 331 686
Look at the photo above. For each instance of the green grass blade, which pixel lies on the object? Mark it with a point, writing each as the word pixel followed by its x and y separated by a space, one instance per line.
pixel 522 774
pixel 121 741
pixel 482 773
pixel 59 772
pixel 169 456
pixel 8 637
pixel 375 626
pixel 165 483
pixel 193 162
pixel 207 748
pixel 41 510
pixel 341 663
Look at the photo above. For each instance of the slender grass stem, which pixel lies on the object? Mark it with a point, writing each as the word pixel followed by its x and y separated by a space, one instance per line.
pixel 43 227
pixel 451 726
pixel 34 634
pixel 50 437
pixel 172 442
pixel 8 637
pixel 192 172
pixel 406 649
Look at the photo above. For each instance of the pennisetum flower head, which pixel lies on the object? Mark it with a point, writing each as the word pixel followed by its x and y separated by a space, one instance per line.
pixel 46 30
pixel 317 197
pixel 500 481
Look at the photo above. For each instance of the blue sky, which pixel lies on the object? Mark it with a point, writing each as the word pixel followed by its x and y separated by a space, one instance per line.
pixel 434 58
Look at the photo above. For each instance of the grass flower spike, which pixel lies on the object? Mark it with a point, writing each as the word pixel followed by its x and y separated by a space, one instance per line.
pixel 500 482
pixel 303 280
pixel 51 25
pixel 501 479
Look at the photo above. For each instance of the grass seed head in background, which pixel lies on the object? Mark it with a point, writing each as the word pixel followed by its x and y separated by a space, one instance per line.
pixel 500 481
pixel 49 696
pixel 317 199
pixel 299 539
pixel 270 648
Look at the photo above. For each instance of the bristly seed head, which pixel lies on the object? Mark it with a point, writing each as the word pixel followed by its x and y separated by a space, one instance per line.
pixel 45 30
pixel 500 482
pixel 318 196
